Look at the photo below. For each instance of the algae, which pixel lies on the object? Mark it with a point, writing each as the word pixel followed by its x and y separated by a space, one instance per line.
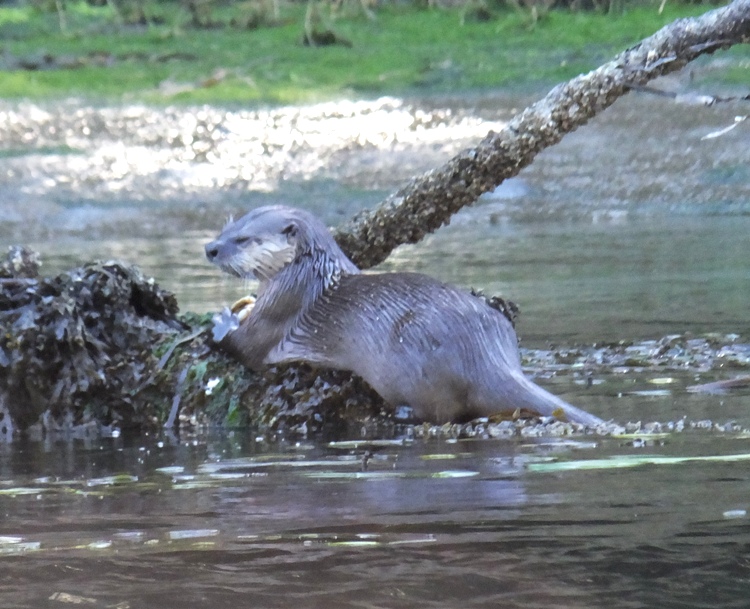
pixel 102 347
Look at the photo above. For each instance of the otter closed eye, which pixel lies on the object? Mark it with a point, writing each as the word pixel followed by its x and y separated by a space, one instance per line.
pixel 416 341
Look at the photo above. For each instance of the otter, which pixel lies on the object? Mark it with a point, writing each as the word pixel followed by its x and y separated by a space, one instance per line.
pixel 416 341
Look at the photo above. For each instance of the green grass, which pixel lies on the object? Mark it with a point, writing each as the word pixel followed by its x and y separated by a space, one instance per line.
pixel 405 51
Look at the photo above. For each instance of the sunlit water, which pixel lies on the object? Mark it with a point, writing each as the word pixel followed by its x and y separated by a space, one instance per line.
pixel 632 228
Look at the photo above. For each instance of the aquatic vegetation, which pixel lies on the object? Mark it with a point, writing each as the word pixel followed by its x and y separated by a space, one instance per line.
pixel 101 342
pixel 675 352
pixel 82 337
pixel 620 461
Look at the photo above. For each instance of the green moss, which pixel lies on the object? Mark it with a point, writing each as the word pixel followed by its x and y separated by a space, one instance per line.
pixel 738 75
pixel 405 50
pixel 735 72
pixel 14 15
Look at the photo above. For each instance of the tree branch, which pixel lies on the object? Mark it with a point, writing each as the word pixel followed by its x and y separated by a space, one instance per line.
pixel 427 202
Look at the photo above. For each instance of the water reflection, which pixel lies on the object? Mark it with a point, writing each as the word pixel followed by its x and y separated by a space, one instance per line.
pixel 467 523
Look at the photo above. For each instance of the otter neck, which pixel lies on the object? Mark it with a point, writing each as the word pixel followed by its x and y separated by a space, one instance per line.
pixel 294 289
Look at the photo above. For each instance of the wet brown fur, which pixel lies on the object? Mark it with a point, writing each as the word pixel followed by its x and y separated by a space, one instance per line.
pixel 416 341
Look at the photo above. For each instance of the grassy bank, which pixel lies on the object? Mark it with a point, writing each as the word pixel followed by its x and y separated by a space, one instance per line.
pixel 406 50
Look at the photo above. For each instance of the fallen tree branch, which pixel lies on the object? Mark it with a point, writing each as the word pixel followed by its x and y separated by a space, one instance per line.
pixel 427 202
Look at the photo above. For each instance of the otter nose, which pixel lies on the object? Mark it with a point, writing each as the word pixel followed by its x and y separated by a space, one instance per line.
pixel 212 251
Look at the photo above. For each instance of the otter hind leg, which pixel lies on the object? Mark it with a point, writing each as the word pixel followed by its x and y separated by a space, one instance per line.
pixel 430 397
pixel 518 392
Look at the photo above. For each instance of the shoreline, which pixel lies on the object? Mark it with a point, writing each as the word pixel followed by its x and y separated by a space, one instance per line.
pixel 405 52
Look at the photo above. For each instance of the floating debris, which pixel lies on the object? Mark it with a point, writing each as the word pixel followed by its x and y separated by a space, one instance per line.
pixel 20 548
pixel 673 352
pixel 666 380
pixel 368 444
pixel 415 540
pixel 454 474
pixel 170 469
pixel 251 464
pixel 72 599
pixel 132 536
pixel 354 544
pixel 195 484
pixel 99 545
pixel 557 444
pixel 193 534
pixel 112 480
pixel 645 436
pixel 721 387
pixel 328 475
pixel 22 490
pixel 620 461
pixel 228 475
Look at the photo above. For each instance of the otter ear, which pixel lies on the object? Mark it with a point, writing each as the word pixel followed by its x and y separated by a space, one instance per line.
pixel 290 230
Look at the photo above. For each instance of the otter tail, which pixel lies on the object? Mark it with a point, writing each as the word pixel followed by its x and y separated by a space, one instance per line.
pixel 532 397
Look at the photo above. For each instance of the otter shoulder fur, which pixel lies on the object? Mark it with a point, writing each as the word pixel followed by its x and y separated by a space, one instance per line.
pixel 418 342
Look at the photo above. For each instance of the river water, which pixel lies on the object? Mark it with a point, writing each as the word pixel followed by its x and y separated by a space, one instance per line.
pixel 225 523
pixel 633 228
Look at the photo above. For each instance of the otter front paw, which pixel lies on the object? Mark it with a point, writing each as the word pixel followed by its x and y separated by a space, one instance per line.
pixel 225 323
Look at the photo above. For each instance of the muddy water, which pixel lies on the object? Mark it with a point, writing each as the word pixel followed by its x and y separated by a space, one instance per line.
pixel 634 227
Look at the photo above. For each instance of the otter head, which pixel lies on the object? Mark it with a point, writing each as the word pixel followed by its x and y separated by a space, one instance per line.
pixel 266 240
pixel 260 244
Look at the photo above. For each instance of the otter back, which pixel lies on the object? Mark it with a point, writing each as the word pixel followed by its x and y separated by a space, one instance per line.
pixel 416 341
